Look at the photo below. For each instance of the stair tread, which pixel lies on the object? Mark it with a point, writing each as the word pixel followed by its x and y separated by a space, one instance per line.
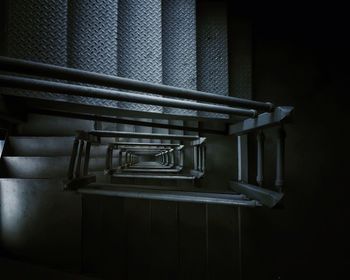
pixel 48 146
pixel 37 167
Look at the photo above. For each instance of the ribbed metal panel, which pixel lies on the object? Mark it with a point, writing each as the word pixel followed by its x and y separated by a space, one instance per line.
pixel 212 50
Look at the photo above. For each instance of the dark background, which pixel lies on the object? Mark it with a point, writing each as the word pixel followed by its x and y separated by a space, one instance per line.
pixel 300 54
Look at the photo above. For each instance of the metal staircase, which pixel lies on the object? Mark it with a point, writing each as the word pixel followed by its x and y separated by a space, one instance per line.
pixel 116 119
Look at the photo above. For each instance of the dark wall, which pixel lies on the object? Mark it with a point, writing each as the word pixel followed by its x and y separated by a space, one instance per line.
pixel 300 59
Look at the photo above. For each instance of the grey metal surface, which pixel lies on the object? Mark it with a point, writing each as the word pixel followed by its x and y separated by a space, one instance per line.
pixel 41 146
pixel 102 133
pixel 92 40
pixel 212 48
pixel 264 196
pixel 179 46
pixel 262 121
pixel 154 176
pixel 139 46
pixel 37 30
pixel 168 195
pixel 40 223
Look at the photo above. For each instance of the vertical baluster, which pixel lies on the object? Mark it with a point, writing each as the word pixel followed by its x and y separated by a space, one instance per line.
pixel 242 142
pixel 260 158
pixel 203 157
pixel 73 159
pixel 80 155
pixel 280 159
pixel 87 158
pixel 195 158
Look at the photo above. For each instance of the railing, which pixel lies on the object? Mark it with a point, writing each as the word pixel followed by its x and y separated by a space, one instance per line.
pixel 258 116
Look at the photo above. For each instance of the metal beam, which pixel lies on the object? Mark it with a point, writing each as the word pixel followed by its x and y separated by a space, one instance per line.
pixel 261 121
pixel 266 197
pixel 168 195
pixel 106 133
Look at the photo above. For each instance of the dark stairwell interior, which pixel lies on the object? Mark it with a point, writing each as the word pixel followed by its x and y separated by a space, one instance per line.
pixel 131 145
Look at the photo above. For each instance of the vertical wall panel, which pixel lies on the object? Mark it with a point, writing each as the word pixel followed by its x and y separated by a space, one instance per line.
pixel 164 240
pixel 138 215
pixel 103 236
pixel 192 239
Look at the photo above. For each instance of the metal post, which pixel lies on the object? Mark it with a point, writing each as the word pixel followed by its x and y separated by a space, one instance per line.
pixel 120 158
pixel 73 159
pixel 203 150
pixel 80 155
pixel 199 153
pixel 280 159
pixel 242 142
pixel 260 158
pixel 195 158
pixel 87 158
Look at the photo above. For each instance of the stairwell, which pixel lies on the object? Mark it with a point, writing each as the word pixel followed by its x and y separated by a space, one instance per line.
pixel 181 43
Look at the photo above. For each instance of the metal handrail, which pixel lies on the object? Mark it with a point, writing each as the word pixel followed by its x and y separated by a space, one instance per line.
pixel 58 72
pixel 85 91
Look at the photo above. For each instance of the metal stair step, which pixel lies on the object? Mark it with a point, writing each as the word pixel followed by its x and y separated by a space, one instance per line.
pixel 39 221
pixel 48 146
pixel 44 125
pixel 44 167
pixel 154 176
